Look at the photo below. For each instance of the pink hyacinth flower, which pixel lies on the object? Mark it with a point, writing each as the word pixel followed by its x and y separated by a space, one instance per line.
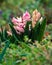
pixel 20 23
pixel 26 16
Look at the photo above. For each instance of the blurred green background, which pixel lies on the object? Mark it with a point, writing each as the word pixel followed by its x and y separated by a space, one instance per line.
pixel 17 7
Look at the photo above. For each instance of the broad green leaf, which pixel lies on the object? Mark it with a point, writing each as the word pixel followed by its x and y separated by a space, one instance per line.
pixel 38 30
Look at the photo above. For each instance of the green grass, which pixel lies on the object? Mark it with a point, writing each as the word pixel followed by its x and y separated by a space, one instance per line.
pixel 28 54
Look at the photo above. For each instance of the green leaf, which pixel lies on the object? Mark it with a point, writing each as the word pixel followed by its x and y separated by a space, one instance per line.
pixel 35 31
pixel 3 35
pixel 7 42
pixel 27 31
pixel 38 30
pixel 42 29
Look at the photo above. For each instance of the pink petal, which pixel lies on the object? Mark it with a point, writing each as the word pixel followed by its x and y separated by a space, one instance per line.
pixel 20 29
pixel 20 24
pixel 18 32
pixel 14 20
pixel 26 16
pixel 38 16
pixel 19 19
